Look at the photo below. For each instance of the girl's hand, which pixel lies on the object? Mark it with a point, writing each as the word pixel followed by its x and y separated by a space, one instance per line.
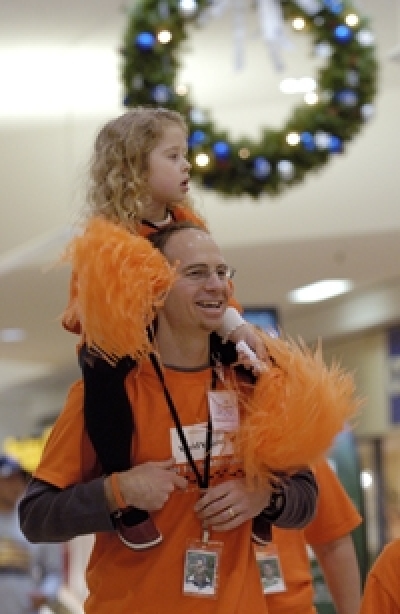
pixel 248 333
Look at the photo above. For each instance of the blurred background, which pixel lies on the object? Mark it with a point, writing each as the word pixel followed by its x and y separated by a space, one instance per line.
pixel 60 81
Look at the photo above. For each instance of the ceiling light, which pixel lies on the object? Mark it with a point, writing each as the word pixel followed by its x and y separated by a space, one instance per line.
pixel 12 335
pixel 320 291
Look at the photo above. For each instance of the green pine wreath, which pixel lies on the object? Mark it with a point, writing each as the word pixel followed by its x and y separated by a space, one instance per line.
pixel 346 87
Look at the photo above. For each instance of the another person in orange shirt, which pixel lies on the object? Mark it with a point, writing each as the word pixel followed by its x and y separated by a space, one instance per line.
pixel 329 535
pixel 382 587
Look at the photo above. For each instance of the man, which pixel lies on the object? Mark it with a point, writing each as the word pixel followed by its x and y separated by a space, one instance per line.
pixel 30 575
pixel 184 471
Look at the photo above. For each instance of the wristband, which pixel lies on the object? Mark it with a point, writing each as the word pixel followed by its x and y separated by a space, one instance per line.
pixel 276 505
pixel 230 322
pixel 115 489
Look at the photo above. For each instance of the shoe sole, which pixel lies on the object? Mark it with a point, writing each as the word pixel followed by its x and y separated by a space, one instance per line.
pixel 144 546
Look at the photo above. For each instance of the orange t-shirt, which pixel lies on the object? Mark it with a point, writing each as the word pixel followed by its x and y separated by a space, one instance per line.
pixel 119 579
pixel 382 588
pixel 335 517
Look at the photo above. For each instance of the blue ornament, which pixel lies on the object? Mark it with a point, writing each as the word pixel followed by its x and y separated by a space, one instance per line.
pixel 343 34
pixel 127 100
pixel 196 138
pixel 261 168
pixel 335 144
pixel 334 6
pixel 145 41
pixel 221 150
pixel 307 140
pixel 161 93
pixel 347 97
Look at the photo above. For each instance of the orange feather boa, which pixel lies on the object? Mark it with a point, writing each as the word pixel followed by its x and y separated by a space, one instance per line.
pixel 121 282
pixel 295 411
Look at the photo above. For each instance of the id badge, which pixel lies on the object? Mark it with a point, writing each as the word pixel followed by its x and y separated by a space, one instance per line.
pixel 224 411
pixel 201 568
pixel 269 567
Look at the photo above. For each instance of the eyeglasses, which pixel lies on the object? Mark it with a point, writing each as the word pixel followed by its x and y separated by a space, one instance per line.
pixel 201 272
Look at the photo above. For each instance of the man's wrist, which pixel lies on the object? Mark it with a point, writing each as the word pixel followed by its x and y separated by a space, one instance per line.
pixel 110 494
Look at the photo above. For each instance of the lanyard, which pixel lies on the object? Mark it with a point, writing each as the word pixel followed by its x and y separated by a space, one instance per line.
pixel 202 481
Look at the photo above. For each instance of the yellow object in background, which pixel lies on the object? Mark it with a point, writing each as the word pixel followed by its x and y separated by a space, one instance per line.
pixel 26 451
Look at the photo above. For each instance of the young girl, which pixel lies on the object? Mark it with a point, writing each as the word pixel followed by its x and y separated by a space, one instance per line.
pixel 139 179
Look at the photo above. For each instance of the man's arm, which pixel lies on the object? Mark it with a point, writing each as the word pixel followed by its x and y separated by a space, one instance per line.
pixel 341 571
pixel 228 504
pixel 51 514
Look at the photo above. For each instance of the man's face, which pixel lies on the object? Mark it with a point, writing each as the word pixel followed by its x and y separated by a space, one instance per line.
pixel 196 303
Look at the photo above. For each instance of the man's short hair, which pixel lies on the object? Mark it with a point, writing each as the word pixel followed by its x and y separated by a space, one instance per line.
pixel 160 237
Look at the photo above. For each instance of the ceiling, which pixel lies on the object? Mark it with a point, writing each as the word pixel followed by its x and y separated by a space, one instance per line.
pixel 342 222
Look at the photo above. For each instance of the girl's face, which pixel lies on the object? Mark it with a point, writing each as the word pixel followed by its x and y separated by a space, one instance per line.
pixel 168 168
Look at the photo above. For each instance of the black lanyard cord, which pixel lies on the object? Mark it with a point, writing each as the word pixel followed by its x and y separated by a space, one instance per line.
pixel 202 481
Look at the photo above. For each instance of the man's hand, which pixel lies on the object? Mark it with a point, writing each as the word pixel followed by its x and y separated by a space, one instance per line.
pixel 229 504
pixel 148 486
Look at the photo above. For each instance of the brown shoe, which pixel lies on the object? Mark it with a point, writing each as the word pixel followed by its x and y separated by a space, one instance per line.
pixel 138 536
pixel 261 530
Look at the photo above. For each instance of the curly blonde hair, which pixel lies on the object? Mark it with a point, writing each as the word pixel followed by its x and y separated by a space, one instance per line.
pixel 117 185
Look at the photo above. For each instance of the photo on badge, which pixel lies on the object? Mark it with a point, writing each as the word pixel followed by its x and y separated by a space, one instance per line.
pixel 270 574
pixel 200 573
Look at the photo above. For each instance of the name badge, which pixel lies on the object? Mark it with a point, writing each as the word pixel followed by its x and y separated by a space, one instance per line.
pixel 196 436
pixel 224 410
pixel 201 568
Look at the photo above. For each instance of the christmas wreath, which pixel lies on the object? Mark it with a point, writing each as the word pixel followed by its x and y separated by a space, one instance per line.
pixel 342 103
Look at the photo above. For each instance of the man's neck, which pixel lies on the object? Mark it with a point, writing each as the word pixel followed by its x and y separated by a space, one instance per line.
pixel 179 352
